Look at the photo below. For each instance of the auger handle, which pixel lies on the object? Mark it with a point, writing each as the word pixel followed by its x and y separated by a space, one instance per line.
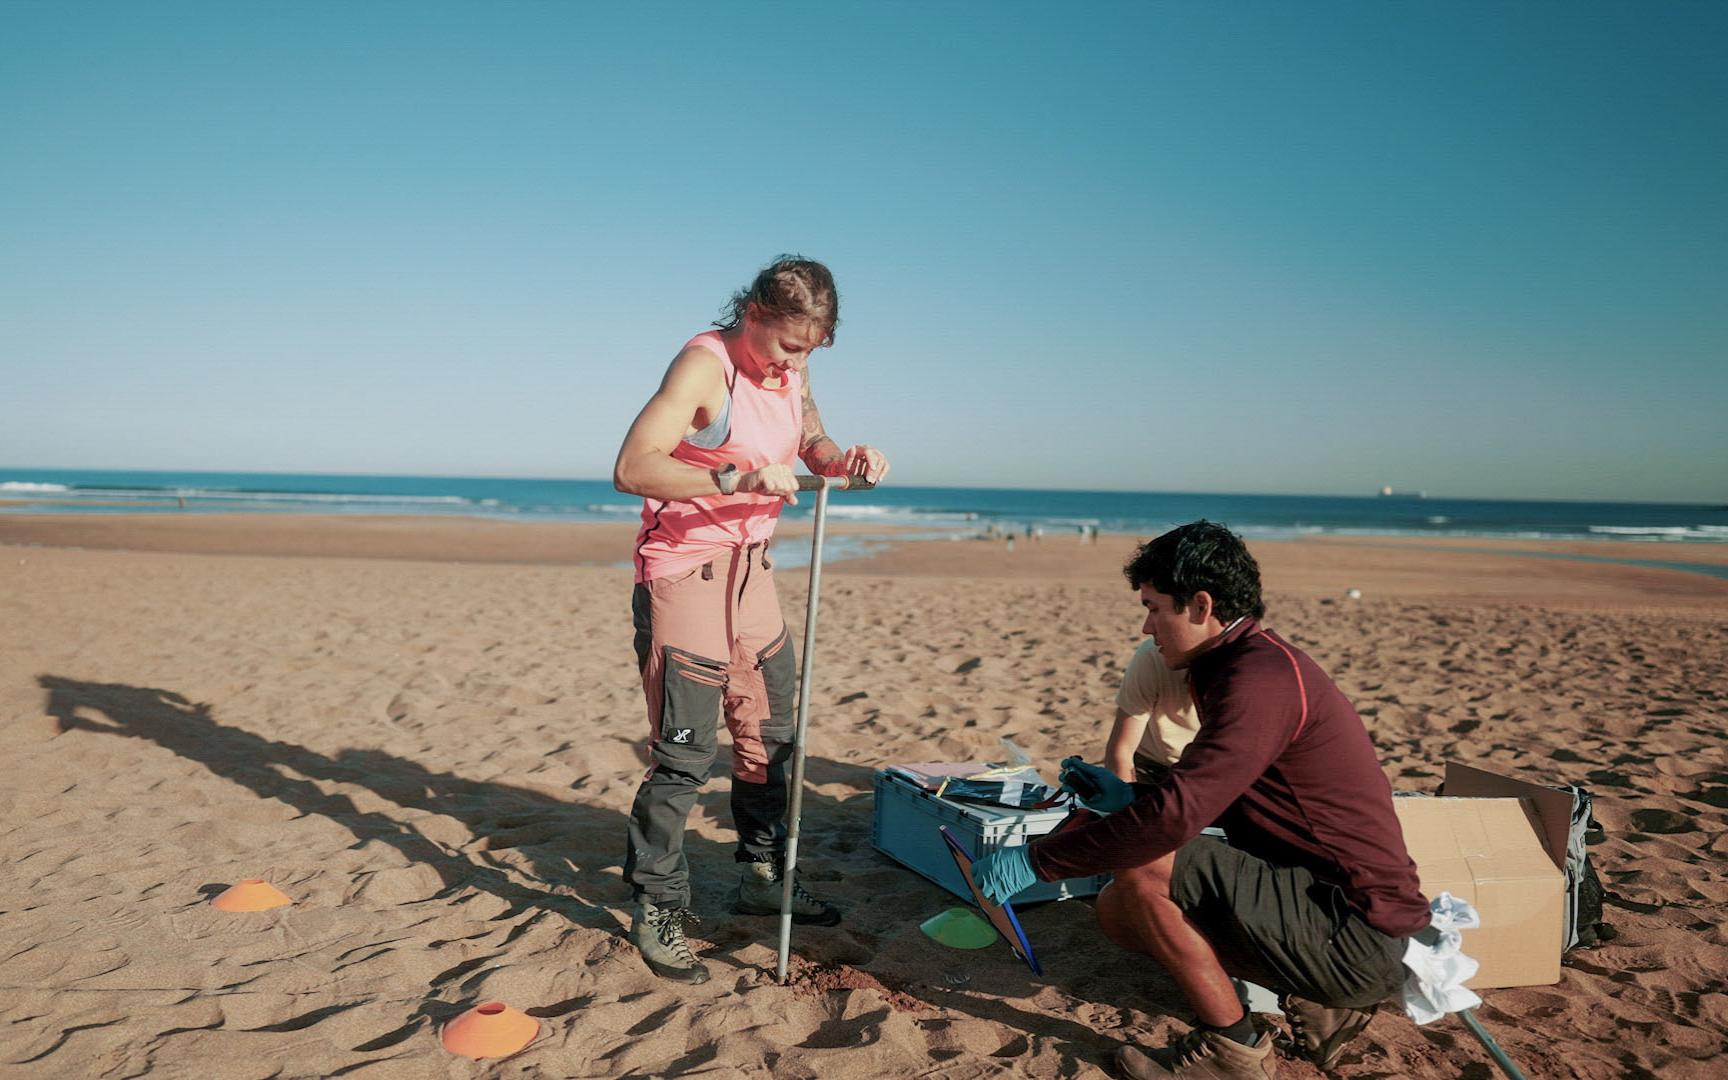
pixel 844 483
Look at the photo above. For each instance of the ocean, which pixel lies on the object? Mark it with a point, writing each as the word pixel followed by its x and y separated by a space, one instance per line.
pixel 937 510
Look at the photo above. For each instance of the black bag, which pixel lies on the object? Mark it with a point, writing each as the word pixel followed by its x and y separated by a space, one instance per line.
pixel 1581 922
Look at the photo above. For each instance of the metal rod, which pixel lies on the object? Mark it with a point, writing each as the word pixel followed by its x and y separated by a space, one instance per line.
pixel 806 482
pixel 804 681
pixel 1489 1044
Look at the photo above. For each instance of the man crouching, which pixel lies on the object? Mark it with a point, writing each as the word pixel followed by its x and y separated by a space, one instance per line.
pixel 1314 894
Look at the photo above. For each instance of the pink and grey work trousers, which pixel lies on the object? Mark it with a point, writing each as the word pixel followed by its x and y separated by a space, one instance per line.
pixel 708 641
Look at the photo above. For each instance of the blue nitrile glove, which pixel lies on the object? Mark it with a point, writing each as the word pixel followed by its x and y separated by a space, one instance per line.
pixel 1099 790
pixel 1004 872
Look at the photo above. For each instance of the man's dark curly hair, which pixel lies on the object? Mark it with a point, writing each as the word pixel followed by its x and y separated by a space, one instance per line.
pixel 1196 557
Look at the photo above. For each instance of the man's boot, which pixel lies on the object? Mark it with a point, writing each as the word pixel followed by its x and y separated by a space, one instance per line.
pixel 1201 1055
pixel 759 892
pixel 1320 1034
pixel 659 933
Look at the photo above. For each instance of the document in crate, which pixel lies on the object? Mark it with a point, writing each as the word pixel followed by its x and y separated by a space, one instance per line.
pixel 1016 786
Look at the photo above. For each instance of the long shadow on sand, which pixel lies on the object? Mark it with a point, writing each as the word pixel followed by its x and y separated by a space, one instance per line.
pixel 498 816
pixel 501 817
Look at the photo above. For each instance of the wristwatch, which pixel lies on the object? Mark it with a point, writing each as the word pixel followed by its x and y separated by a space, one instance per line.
pixel 727 479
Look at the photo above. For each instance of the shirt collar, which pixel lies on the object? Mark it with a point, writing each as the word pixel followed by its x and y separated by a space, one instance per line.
pixel 1242 628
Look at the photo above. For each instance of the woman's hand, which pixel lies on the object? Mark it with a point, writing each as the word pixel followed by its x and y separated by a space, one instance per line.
pixel 771 480
pixel 865 462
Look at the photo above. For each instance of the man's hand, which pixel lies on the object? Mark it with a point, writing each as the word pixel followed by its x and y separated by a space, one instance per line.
pixel 865 462
pixel 1099 789
pixel 1004 872
pixel 771 480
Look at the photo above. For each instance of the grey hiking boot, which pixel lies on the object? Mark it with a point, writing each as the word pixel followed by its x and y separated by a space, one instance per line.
pixel 759 892
pixel 1319 1034
pixel 1201 1055
pixel 659 933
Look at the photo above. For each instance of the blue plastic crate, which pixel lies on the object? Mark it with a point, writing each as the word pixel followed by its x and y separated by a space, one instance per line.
pixel 905 826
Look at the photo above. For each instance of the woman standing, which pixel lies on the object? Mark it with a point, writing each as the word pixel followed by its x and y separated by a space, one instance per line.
pixel 712 454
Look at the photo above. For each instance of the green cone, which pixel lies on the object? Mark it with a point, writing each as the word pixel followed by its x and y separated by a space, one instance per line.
pixel 960 928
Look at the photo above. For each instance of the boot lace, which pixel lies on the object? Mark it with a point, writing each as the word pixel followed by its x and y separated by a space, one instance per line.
pixel 1316 1044
pixel 669 925
pixel 1298 1027
pixel 1190 1048
pixel 799 894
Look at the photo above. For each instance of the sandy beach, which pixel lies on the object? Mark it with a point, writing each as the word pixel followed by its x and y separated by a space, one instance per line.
pixel 428 732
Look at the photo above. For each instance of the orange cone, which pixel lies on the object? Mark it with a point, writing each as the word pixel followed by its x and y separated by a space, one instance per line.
pixel 253 894
pixel 489 1031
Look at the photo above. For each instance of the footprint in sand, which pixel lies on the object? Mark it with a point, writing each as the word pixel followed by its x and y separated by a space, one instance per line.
pixel 1662 822
pixel 1717 797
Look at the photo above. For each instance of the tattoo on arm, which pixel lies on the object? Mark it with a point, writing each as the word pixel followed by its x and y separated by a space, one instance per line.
pixel 815 448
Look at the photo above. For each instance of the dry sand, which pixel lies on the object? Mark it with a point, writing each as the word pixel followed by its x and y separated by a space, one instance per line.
pixel 434 757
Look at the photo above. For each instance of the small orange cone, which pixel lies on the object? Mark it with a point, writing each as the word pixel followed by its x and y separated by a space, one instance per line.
pixel 489 1031
pixel 253 894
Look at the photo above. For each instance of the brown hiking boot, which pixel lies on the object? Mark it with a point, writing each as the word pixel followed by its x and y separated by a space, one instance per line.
pixel 1319 1034
pixel 1201 1055
pixel 759 893
pixel 659 933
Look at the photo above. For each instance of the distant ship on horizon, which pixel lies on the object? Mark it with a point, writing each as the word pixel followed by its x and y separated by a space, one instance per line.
pixel 1389 492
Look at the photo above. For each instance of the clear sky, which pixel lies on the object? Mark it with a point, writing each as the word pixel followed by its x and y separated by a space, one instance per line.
pixel 1480 250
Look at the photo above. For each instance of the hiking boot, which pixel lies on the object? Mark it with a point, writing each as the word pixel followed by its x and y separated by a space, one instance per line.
pixel 759 892
pixel 1319 1034
pixel 659 933
pixel 1201 1055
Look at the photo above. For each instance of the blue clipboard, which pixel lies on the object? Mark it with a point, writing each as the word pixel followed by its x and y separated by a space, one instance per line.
pixel 1001 916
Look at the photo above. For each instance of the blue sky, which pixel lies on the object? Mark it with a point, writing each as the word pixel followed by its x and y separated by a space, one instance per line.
pixel 1480 250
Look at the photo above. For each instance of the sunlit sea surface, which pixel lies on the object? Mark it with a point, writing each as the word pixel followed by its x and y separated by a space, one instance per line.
pixel 928 510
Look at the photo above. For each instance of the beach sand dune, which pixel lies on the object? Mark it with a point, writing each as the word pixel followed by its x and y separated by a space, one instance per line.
pixel 434 759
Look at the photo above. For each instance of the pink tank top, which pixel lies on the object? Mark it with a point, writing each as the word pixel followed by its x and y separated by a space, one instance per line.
pixel 682 534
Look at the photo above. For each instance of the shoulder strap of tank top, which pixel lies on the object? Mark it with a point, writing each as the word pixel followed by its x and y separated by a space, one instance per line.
pixel 716 344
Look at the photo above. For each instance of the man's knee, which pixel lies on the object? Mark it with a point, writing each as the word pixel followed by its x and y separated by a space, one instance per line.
pixel 1134 901
pixel 1150 882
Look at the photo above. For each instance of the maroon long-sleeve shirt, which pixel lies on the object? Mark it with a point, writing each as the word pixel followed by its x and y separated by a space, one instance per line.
pixel 1283 764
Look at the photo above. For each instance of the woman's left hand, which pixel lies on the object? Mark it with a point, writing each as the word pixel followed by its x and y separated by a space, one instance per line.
pixel 865 462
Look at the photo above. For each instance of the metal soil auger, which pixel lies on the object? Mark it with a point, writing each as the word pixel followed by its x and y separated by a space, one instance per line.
pixel 1488 1044
pixel 820 485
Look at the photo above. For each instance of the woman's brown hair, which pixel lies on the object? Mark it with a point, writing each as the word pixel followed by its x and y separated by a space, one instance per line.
pixel 790 287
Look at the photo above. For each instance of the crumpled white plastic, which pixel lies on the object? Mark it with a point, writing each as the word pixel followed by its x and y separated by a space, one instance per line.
pixel 1435 983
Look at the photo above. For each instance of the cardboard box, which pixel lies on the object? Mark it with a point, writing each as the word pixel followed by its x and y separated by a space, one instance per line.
pixel 1552 806
pixel 1490 851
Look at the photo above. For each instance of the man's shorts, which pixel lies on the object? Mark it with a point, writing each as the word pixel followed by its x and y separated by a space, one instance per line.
pixel 1149 770
pixel 1281 927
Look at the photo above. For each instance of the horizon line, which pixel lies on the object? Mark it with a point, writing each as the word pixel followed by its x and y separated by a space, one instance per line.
pixel 1402 494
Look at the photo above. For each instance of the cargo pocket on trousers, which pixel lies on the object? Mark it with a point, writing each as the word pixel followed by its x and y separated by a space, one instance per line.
pixel 692 687
pixel 779 667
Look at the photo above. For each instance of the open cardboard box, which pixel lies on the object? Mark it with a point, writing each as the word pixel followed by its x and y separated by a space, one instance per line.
pixel 1500 844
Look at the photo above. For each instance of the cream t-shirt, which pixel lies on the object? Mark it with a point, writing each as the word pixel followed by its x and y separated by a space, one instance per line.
pixel 1151 690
